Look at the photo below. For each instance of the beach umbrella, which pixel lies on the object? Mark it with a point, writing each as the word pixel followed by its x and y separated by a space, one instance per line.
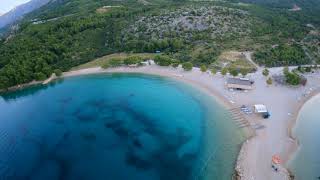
pixel 276 159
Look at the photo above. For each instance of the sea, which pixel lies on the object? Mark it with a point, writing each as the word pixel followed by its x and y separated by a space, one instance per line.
pixel 306 162
pixel 117 126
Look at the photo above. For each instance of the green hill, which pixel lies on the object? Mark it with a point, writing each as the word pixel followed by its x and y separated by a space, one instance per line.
pixel 67 33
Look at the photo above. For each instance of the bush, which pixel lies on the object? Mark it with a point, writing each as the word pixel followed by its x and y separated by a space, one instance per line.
pixel 213 71
pixel 265 72
pixel 175 63
pixel 105 66
pixel 187 66
pixel 115 62
pixel 224 71
pixel 269 81
pixel 163 60
pixel 132 60
pixel 308 69
pixel 300 69
pixel 234 72
pixel 57 72
pixel 292 78
pixel 244 71
pixel 203 68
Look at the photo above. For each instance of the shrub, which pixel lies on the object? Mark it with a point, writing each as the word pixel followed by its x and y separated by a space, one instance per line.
pixel 57 72
pixel 244 71
pixel 224 71
pixel 269 81
pixel 115 62
pixel 292 78
pixel 132 60
pixel 203 68
pixel 162 60
pixel 105 66
pixel 213 71
pixel 299 68
pixel 234 72
pixel 308 69
pixel 187 66
pixel 175 63
pixel 265 72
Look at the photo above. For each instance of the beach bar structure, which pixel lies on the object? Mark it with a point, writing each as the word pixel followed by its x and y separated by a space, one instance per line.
pixel 262 109
pixel 239 83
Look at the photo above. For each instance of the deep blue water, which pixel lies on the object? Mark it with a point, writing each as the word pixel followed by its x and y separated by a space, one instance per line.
pixel 114 126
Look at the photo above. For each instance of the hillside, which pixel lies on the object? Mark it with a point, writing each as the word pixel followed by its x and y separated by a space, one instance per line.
pixel 18 12
pixel 67 33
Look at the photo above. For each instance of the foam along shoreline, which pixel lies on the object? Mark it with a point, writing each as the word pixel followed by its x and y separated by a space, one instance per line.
pixel 284 103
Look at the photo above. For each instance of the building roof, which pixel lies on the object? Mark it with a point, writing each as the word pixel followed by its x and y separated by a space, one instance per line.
pixel 260 108
pixel 239 81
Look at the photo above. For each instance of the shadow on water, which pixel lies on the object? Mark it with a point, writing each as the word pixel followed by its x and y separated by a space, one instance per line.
pixel 147 146
pixel 28 91
pixel 162 155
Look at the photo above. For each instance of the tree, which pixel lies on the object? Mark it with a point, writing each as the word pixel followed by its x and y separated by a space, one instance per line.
pixel 224 71
pixel 265 72
pixel 40 76
pixel 58 72
pixel 176 44
pixel 187 66
pixel 282 55
pixel 203 68
pixel 269 81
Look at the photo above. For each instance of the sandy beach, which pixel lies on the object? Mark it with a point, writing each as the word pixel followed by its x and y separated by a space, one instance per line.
pixel 284 103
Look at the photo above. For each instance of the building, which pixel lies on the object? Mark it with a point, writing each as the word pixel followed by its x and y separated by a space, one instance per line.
pixel 239 83
pixel 262 109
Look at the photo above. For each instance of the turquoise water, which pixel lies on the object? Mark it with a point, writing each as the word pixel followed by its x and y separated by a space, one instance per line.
pixel 115 126
pixel 306 163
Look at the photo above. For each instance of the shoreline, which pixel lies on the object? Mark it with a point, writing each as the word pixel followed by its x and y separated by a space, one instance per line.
pixel 21 86
pixel 293 124
pixel 216 96
pixel 239 168
pixel 249 152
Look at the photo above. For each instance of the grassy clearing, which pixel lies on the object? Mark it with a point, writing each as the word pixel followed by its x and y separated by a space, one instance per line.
pixel 235 60
pixel 103 60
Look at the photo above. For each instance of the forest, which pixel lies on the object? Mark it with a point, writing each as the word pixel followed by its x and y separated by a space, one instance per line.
pixel 65 34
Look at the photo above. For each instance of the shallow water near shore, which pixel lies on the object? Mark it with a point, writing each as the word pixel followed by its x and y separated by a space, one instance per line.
pixel 116 126
pixel 306 163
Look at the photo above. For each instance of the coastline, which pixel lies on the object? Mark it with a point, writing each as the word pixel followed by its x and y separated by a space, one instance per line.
pixel 292 126
pixel 244 161
pixel 21 86
pixel 247 165
pixel 215 95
